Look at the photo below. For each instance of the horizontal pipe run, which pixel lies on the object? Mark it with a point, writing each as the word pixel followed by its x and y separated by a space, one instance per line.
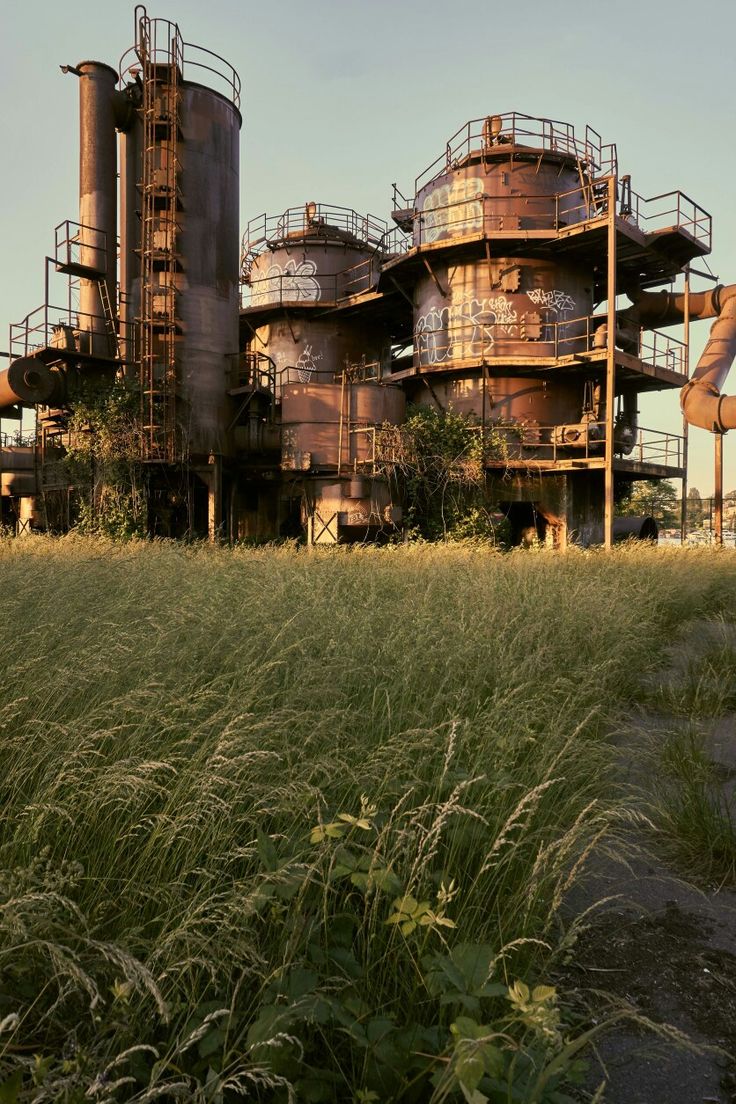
pixel 28 380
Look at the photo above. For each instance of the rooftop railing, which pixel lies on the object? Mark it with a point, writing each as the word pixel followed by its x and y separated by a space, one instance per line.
pixel 517 129
pixel 269 230
pixel 159 42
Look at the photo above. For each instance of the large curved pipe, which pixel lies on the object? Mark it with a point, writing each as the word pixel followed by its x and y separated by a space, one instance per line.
pixel 28 380
pixel 667 308
pixel 701 400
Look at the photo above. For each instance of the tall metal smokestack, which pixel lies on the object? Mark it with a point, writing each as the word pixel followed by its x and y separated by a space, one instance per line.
pixel 97 194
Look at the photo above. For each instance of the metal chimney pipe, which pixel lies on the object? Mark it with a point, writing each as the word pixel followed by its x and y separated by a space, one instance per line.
pixel 97 195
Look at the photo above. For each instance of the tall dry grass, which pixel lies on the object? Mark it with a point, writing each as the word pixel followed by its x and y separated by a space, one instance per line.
pixel 223 772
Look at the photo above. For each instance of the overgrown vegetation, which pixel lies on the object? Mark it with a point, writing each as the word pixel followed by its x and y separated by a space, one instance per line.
pixel 437 458
pixel 297 826
pixel 103 462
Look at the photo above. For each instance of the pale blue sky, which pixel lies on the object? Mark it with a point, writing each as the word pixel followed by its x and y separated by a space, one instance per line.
pixel 342 99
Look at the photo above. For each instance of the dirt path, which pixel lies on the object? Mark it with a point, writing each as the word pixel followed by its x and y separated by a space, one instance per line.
pixel 662 943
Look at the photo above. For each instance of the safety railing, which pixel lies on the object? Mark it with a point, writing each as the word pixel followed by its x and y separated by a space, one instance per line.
pixel 293 286
pixel 663 351
pixel 299 281
pixel 361 371
pixel 584 441
pixel 516 129
pixel 159 42
pixel 482 329
pixel 256 370
pixel 481 214
pixel 265 230
pixel 17 440
pixel 658 447
pixel 364 276
pixel 69 331
pixel 80 246
pixel 671 210
pixel 477 213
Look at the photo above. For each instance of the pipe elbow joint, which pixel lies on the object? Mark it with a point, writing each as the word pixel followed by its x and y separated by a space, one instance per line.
pixel 704 406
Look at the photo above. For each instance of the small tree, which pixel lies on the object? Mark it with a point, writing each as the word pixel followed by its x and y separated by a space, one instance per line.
pixel 103 461
pixel 695 511
pixel 655 498
pixel 437 457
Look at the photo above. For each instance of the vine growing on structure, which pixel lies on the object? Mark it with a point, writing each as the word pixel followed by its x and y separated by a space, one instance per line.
pixel 103 461
pixel 438 458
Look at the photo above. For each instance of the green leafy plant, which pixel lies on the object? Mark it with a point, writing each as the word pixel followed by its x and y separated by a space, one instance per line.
pixel 103 462
pixel 438 458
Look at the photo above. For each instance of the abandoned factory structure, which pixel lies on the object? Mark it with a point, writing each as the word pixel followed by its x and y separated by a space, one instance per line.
pixel 520 285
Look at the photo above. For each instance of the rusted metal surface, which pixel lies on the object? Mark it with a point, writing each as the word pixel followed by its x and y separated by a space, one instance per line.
pixel 494 298
pixel 312 416
pixel 97 195
pixel 29 380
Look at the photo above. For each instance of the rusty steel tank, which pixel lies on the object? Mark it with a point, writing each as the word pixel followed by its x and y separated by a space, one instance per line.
pixel 180 230
pixel 505 178
pixel 303 273
pixel 298 265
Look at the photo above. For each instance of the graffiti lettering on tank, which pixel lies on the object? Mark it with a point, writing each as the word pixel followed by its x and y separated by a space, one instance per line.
pixel 455 207
pixel 306 365
pixel 556 306
pixel 464 330
pixel 293 282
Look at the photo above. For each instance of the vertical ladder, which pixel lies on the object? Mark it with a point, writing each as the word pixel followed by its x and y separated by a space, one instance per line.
pixel 110 324
pixel 159 323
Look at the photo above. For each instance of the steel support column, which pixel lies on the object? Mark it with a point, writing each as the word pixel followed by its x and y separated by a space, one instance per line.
pixel 610 364
pixel 718 495
pixel 685 423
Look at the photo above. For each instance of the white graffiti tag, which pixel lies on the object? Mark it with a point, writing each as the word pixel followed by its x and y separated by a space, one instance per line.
pixel 463 330
pixel 456 208
pixel 306 365
pixel 292 282
pixel 556 306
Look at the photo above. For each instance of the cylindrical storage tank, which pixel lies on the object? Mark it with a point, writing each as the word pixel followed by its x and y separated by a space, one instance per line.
pixel 528 400
pixel 513 307
pixel 208 286
pixel 18 470
pixel 308 349
pixel 206 298
pixel 499 189
pixel 317 263
pixel 324 422
pixel 308 259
